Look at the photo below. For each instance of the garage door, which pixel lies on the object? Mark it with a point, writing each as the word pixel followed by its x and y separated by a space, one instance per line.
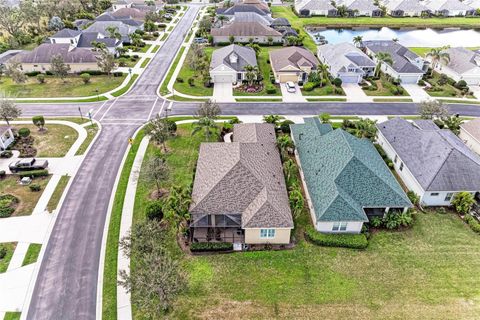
pixel 349 79
pixel 409 79
pixel 288 77
pixel 222 78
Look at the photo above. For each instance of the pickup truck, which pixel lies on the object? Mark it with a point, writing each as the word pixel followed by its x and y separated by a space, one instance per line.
pixel 28 164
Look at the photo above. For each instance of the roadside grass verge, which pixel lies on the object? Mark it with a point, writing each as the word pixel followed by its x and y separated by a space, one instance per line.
pixel 392 100
pixel 180 98
pixel 326 99
pixel 145 62
pixel 57 193
pixel 164 37
pixel 32 253
pixel 109 310
pixel 95 99
pixel 459 101
pixel 92 131
pixel 10 248
pixel 155 49
pixel 163 88
pixel 54 142
pixel 12 316
pixel 258 100
pixel 127 87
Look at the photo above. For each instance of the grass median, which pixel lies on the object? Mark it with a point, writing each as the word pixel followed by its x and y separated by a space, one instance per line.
pixel 163 89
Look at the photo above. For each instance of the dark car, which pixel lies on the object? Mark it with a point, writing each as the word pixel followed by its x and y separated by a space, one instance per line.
pixel 28 164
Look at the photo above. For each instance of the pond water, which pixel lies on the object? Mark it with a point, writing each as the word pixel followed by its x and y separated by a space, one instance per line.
pixel 407 37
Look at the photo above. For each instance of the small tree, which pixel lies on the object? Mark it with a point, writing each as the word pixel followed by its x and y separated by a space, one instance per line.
pixel 85 78
pixel 39 121
pixel 208 109
pixel 156 171
pixel 41 78
pixel 106 61
pixel 296 200
pixel 463 202
pixel 154 210
pixel 433 109
pixel 113 32
pixel 58 67
pixel 453 123
pixel 56 24
pixel 207 125
pixel 159 131
pixel 290 171
pixel 14 71
pixel 8 109
pixel 272 118
pixel 325 117
pixel 231 39
pixel 285 143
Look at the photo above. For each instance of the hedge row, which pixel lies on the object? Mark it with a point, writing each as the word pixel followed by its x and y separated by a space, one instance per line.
pixel 472 222
pixel 33 173
pixel 211 246
pixel 90 72
pixel 355 241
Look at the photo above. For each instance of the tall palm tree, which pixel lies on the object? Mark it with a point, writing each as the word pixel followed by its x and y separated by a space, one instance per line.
pixel 222 19
pixel 358 41
pixel 272 118
pixel 205 124
pixel 365 128
pixel 290 171
pixel 382 57
pixel 284 143
pixel 250 73
pixel 323 70
pixel 438 55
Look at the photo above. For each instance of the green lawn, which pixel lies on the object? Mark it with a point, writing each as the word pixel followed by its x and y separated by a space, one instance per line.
pixel 56 88
pixel 32 254
pixel 57 193
pixel 459 101
pixel 180 98
pixel 392 100
pixel 258 100
pixel 91 133
pixel 155 49
pixel 28 199
pixel 383 88
pixel 145 62
pixel 54 142
pixel 327 90
pixel 96 99
pixel 127 87
pixel 164 37
pixel 163 87
pixel 12 316
pixel 422 51
pixel 326 99
pixel 265 68
pixel 129 61
pixel 140 49
pixel 447 90
pixel 10 246
pixel 198 89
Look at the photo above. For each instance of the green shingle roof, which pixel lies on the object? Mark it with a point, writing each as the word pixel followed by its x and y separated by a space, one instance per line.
pixel 344 174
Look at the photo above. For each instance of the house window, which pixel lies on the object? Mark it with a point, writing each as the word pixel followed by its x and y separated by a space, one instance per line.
pixel 401 166
pixel 71 41
pixel 434 194
pixel 239 76
pixel 396 158
pixel 339 226
pixel 267 233
pixel 449 196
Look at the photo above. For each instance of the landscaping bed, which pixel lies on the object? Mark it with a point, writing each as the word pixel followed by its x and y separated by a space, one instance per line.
pixel 27 199
pixel 6 253
pixel 443 86
pixel 383 86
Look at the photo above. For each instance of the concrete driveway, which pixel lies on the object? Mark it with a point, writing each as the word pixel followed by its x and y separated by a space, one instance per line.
pixel 291 96
pixel 223 92
pixel 416 92
pixel 355 93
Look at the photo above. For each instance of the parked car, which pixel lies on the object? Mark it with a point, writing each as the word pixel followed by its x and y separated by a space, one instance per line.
pixel 28 164
pixel 200 40
pixel 290 86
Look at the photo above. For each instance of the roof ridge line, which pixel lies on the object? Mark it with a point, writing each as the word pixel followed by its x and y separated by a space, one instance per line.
pixel 440 168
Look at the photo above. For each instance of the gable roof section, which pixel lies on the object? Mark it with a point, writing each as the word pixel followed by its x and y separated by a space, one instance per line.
pixel 401 55
pixel 244 29
pixel 343 55
pixel 295 57
pixel 66 33
pixel 315 5
pixel 87 38
pixel 242 178
pixel 241 8
pixel 462 60
pixel 405 5
pixel 360 5
pixel 44 53
pixel 252 17
pixel 473 128
pixel 343 174
pixel 246 56
pixel 437 158
pixel 441 5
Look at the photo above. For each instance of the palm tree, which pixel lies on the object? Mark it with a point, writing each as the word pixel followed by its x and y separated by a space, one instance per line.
pixel 206 125
pixel 222 18
pixel 272 118
pixel 284 143
pixel 365 128
pixel 290 171
pixel 437 55
pixel 113 32
pixel 250 73
pixel 358 41
pixel 136 39
pixel 382 57
pixel 296 200
pixel 323 70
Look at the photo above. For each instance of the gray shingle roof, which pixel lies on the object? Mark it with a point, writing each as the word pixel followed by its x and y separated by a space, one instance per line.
pixel 441 5
pixel 66 33
pixel 87 38
pixel 244 29
pixel 405 5
pixel 473 128
pixel 44 53
pixel 280 22
pixel 438 159
pixel 316 5
pixel 241 8
pixel 242 178
pixel 473 3
pixel 462 60
pixel 294 56
pixel 252 17
pixel 340 56
pixel 101 27
pixel 360 5
pixel 344 174
pixel 246 56
pixel 401 56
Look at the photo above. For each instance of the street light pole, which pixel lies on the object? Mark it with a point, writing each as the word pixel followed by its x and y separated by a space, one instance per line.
pixel 81 115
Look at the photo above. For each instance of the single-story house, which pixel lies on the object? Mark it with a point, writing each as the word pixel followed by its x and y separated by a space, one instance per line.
pixel 408 67
pixel 315 8
pixel 79 59
pixel 7 55
pixel 347 62
pixel 108 16
pixel 125 30
pixel 248 17
pixel 475 4
pixel 292 64
pixel 405 8
pixel 121 4
pixel 463 64
pixel 6 137
pixel 130 13
pixel 239 193
pixel 283 26
pixel 260 4
pixel 432 162
pixel 81 39
pixel 346 181
pixel 244 31
pixel 449 8
pixel 228 63
pixel 68 36
pixel 470 134
pixel 231 11
pixel 361 7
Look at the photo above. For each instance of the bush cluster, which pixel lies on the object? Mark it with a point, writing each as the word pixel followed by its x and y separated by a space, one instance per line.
pixel 472 222
pixel 354 241
pixel 23 132
pixel 271 89
pixel 33 173
pixel 393 220
pixel 35 187
pixel 7 205
pixel 211 246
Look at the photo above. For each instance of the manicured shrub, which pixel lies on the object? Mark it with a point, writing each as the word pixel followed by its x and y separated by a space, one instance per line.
pixel 35 187
pixel 33 173
pixel 3 174
pixel 117 74
pixel 421 82
pixel 461 84
pixel 172 126
pixel 6 154
pixel 285 126
pixel 154 210
pixel 24 132
pixel 472 223
pixel 354 241
pixel 40 78
pixel 441 210
pixel 376 222
pixel 414 198
pixel 463 202
pixel 32 74
pixel 211 246
pixel 271 89
pixel 395 220
pixel 85 77
pixel 180 80
pixel 309 86
pixel 337 82
pixel 7 205
pixel 3 252
pixel 191 82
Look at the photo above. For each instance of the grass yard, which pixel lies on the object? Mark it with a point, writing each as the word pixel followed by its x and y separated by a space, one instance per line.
pixel 155 49
pixel 56 88
pixel 28 199
pixel 145 62
pixel 55 142
pixel 326 99
pixel 143 49
pixel 392 100
pixel 258 100
pixel 198 89
pixel 91 133
pixel 459 101
pixel 32 254
pixel 445 90
pixel 180 98
pixel 163 88
pixel 327 90
pixel 383 88
pixel 128 61
pixel 12 316
pixel 10 248
pixel 57 193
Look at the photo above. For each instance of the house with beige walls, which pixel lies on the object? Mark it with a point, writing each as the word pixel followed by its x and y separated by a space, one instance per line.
pixel 244 32
pixel 239 193
pixel 470 134
pixel 292 64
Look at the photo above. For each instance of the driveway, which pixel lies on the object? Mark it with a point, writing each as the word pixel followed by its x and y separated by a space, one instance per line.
pixel 292 96
pixel 355 93
pixel 223 92
pixel 416 92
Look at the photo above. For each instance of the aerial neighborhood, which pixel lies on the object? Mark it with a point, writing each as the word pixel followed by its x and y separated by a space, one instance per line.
pixel 239 159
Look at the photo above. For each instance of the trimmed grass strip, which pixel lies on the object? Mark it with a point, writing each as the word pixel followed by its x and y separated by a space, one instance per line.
pixel 163 88
pixel 126 88
pixel 145 62
pixel 32 254
pixel 91 133
pixel 57 193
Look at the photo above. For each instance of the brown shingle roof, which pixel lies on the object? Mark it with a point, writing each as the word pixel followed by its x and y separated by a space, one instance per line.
pixel 242 178
pixel 245 29
pixel 292 56
pixel 44 53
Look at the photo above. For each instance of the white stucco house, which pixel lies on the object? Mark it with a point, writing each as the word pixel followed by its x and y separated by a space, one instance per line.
pixel 228 63
pixel 408 67
pixel 470 134
pixel 463 64
pixel 405 8
pixel 6 137
pixel 434 163
pixel 449 8
pixel 347 62
pixel 315 8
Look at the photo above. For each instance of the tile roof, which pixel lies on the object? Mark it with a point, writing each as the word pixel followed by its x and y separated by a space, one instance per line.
pixel 292 56
pixel 343 55
pixel 437 158
pixel 344 174
pixel 244 29
pixel 473 128
pixel 242 177
pixel 245 56
pixel 44 53
pixel 401 55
